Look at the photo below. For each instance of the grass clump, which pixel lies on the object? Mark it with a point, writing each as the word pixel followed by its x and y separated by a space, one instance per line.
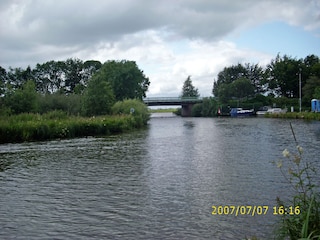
pixel 57 125
pixel 135 108
pixel 295 115
pixel 304 223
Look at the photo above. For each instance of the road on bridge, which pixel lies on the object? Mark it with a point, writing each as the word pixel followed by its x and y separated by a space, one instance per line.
pixel 170 101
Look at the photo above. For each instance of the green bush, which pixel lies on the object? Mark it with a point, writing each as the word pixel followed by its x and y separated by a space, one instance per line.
pixel 208 108
pixel 57 124
pixel 196 110
pixel 133 107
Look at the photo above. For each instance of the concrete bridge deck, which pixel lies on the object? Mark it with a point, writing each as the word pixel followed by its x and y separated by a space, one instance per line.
pixel 170 101
pixel 186 103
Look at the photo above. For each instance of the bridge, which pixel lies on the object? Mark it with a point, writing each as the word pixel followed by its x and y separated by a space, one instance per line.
pixel 185 102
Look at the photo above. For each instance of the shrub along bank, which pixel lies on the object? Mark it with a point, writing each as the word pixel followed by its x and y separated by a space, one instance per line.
pixel 296 115
pixel 58 125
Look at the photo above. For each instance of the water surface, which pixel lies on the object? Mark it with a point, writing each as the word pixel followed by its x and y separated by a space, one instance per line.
pixel 157 183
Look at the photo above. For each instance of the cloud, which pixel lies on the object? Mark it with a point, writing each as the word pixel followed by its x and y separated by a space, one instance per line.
pixel 168 39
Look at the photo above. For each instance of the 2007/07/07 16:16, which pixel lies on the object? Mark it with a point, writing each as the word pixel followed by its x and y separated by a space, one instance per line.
pixel 253 210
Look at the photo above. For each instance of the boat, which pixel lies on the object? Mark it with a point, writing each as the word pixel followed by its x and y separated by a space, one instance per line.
pixel 263 110
pixel 276 110
pixel 239 112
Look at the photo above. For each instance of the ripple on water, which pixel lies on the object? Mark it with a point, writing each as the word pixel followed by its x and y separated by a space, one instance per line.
pixel 158 183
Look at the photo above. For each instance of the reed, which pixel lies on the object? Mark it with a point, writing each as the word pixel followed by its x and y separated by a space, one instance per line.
pixel 58 125
pixel 300 174
pixel 296 115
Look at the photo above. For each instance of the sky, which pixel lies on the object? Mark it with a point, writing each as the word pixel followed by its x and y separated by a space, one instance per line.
pixel 168 39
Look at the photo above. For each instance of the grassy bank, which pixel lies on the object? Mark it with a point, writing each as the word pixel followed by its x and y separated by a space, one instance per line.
pixel 296 115
pixel 163 110
pixel 58 125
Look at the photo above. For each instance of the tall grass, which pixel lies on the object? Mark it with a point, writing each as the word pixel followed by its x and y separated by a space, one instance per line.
pixel 296 115
pixel 300 174
pixel 57 124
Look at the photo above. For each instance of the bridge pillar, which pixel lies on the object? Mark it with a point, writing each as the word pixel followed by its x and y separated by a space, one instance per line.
pixel 186 109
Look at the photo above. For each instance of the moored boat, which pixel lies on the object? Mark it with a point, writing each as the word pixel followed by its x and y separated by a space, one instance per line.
pixel 276 110
pixel 238 112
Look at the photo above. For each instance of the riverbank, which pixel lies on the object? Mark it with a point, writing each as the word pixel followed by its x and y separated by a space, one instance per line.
pixel 163 110
pixel 58 125
pixel 296 115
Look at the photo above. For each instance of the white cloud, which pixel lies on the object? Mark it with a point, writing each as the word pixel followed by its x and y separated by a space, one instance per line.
pixel 168 39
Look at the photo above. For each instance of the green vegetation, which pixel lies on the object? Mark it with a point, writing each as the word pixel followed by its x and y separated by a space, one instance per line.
pixel 58 124
pixel 125 78
pixel 296 115
pixel 137 109
pixel 250 86
pixel 243 85
pixel 80 88
pixel 98 97
pixel 71 98
pixel 163 110
pixel 304 221
pixel 188 90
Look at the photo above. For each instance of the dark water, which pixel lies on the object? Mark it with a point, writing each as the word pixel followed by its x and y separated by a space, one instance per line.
pixel 158 183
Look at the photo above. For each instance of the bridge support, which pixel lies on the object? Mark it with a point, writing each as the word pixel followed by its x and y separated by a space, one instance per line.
pixel 186 109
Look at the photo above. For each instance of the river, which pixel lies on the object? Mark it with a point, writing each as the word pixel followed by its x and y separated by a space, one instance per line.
pixel 156 183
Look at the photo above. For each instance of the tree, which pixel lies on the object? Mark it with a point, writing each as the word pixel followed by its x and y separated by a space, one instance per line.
pixel 317 93
pixel 309 89
pixel 17 77
pixel 3 79
pixel 283 76
pixel 188 90
pixel 73 74
pixel 254 73
pixel 125 78
pixel 23 99
pixel 227 76
pixel 98 97
pixel 242 88
pixel 50 76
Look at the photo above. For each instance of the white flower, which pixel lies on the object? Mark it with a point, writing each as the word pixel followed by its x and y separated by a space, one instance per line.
pixel 300 149
pixel 286 153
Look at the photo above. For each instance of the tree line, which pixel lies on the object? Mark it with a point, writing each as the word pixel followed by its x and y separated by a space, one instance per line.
pixel 280 79
pixel 251 86
pixel 73 86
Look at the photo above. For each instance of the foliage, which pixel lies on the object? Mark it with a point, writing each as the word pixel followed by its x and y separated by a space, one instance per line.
pixel 196 110
pixel 304 224
pixel 163 110
pixel 125 78
pixel 280 78
pixel 242 88
pixel 296 115
pixel 188 90
pixel 135 108
pixel 70 76
pixel 317 93
pixel 249 79
pixel 49 76
pixel 309 89
pixel 58 125
pixel 71 103
pixel 23 99
pixel 283 76
pixel 98 97
pixel 208 108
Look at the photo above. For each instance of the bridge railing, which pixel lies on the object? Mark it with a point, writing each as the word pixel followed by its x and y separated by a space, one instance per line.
pixel 171 99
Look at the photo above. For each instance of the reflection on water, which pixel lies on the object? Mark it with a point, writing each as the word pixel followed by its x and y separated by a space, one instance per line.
pixel 158 183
